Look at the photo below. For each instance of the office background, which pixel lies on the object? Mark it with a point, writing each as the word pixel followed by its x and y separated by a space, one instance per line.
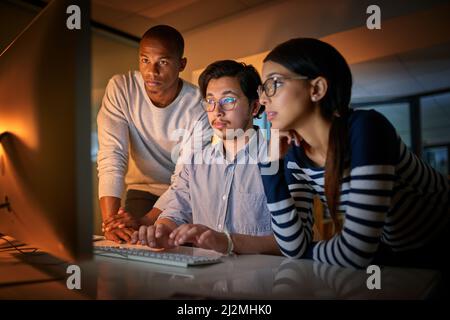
pixel 402 70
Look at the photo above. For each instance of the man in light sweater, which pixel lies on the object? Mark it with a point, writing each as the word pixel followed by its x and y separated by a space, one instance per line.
pixel 141 113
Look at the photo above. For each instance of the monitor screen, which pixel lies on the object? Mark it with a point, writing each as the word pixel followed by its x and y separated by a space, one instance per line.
pixel 45 168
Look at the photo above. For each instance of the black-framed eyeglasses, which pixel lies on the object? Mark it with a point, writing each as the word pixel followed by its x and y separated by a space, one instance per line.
pixel 270 86
pixel 225 103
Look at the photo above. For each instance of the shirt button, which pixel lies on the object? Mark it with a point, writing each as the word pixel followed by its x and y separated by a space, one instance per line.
pixel 224 197
pixel 219 226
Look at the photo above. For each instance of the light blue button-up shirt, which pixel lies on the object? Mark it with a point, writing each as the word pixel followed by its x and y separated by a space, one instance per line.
pixel 222 194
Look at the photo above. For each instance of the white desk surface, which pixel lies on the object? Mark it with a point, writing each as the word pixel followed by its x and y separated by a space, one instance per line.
pixel 237 277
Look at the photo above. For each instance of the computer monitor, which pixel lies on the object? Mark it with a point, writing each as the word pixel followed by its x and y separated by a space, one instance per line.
pixel 45 168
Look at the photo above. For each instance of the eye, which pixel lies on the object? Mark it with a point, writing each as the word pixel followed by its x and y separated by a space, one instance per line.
pixel 228 100
pixel 277 83
pixel 210 101
pixel 144 60
pixel 163 62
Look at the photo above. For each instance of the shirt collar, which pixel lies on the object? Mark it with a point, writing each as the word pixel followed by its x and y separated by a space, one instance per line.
pixel 254 142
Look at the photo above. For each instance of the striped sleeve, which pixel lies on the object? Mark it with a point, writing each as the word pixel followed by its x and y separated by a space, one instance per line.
pixel 369 200
pixel 369 180
pixel 290 202
pixel 374 152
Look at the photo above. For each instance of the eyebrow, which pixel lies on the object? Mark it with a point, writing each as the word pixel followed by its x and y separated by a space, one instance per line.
pixel 159 58
pixel 223 93
pixel 270 75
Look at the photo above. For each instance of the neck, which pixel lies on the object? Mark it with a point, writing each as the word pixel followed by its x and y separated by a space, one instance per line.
pixel 315 133
pixel 163 99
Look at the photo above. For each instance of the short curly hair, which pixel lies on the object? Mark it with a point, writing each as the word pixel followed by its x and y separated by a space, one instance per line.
pixel 247 76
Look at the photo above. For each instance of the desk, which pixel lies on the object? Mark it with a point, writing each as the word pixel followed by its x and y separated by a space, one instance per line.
pixel 237 277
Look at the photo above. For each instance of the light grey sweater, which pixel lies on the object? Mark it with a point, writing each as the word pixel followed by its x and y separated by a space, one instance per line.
pixel 136 138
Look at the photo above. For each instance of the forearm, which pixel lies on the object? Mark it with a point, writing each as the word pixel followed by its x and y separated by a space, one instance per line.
pixel 245 244
pixel 292 220
pixel 109 206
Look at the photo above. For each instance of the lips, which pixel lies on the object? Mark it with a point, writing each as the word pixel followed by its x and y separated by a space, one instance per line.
pixel 219 124
pixel 271 115
pixel 152 83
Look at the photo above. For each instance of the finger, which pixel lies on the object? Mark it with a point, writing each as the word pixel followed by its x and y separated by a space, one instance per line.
pixel 121 214
pixel 111 219
pixel 296 137
pixel 123 235
pixel 177 230
pixel 151 241
pixel 135 237
pixel 205 239
pixel 189 235
pixel 289 138
pixel 111 236
pixel 119 223
pixel 160 230
pixel 142 235
pixel 183 229
pixel 129 232
pixel 111 226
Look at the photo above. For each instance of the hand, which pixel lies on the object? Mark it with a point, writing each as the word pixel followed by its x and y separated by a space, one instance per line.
pixel 119 235
pixel 120 220
pixel 155 236
pixel 285 139
pixel 201 236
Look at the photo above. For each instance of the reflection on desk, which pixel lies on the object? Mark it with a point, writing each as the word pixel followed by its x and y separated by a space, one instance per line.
pixel 256 277
pixel 237 277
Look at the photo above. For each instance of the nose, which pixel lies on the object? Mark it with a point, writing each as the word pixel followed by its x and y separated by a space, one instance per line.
pixel 152 68
pixel 263 99
pixel 218 111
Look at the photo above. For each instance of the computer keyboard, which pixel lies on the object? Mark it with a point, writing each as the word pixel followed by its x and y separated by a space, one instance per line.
pixel 145 254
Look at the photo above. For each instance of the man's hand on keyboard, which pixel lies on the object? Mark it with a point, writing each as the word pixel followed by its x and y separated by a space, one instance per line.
pixel 119 235
pixel 121 220
pixel 155 236
pixel 201 236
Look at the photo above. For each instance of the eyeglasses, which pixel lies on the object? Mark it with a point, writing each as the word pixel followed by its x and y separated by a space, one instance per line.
pixel 225 103
pixel 270 86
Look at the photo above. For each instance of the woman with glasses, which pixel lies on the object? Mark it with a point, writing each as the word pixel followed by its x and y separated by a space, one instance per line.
pixel 394 206
pixel 217 201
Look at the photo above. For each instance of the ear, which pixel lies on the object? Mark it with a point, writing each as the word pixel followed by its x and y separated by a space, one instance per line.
pixel 255 106
pixel 319 87
pixel 183 62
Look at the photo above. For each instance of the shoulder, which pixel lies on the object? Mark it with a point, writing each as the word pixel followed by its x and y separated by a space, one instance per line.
pixel 190 94
pixel 369 122
pixel 373 139
pixel 124 78
pixel 123 82
pixel 189 103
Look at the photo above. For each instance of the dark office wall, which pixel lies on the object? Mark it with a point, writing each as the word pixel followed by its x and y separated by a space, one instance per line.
pixel 14 18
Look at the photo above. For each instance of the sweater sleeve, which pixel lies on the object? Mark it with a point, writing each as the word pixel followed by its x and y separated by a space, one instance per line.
pixel 290 202
pixel 113 141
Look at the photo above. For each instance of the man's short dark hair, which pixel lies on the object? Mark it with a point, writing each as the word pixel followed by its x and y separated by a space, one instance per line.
pixel 248 78
pixel 167 34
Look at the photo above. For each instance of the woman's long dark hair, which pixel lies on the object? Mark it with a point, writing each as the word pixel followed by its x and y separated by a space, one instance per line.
pixel 314 58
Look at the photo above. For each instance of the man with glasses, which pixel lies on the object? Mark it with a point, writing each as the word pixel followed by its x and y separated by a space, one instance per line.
pixel 217 201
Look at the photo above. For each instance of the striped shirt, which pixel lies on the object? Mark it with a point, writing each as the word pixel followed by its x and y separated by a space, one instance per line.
pixel 388 195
